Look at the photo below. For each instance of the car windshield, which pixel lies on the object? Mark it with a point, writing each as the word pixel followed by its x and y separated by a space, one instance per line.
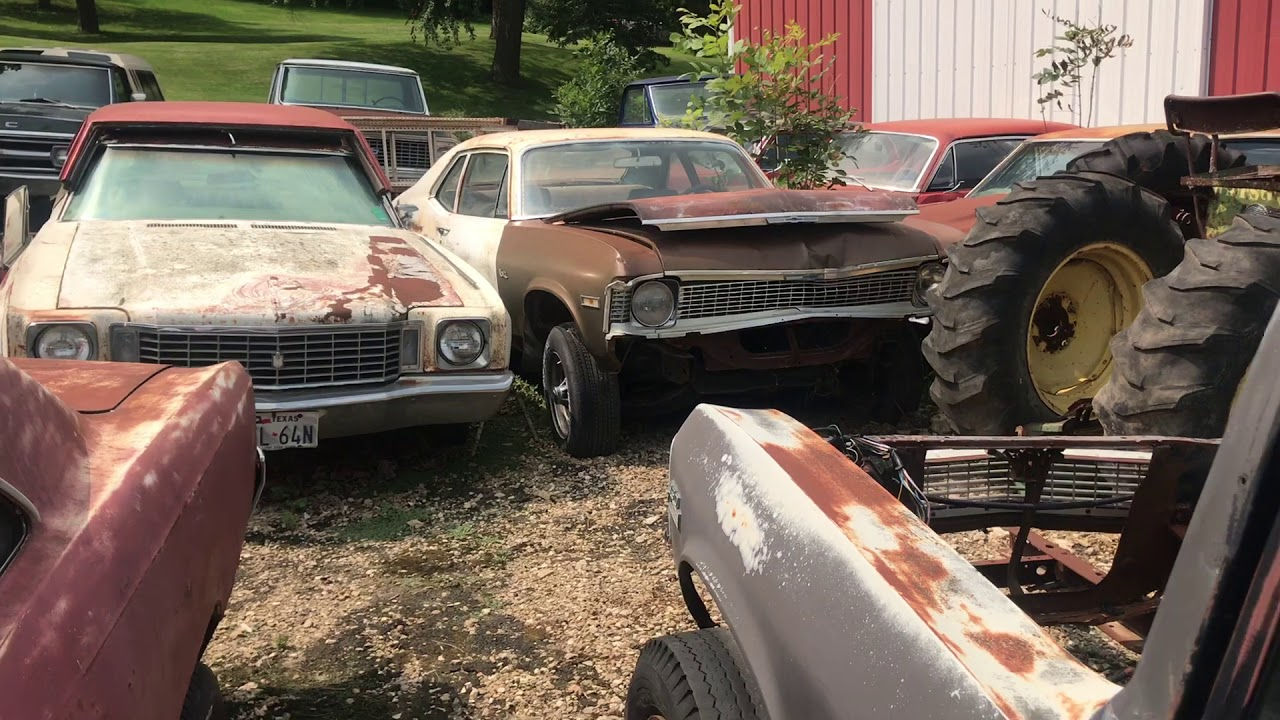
pixel 1257 151
pixel 352 88
pixel 147 183
pixel 1031 160
pixel 45 83
pixel 888 161
pixel 671 101
pixel 566 177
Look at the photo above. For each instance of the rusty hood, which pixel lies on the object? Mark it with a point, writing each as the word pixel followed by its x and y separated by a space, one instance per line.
pixel 242 273
pixel 747 208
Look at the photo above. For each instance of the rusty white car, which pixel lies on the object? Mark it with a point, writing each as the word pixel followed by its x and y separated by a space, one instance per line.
pixel 190 234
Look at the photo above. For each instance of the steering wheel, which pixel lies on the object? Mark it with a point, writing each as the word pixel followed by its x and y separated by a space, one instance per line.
pixel 398 101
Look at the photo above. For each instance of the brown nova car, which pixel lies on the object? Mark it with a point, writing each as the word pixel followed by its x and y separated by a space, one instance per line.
pixel 125 490
pixel 652 266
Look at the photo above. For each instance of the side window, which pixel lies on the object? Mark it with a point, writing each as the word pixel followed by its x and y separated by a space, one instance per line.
pixel 635 108
pixel 447 190
pixel 945 177
pixel 975 158
pixel 120 86
pixel 483 184
pixel 147 80
pixel 13 529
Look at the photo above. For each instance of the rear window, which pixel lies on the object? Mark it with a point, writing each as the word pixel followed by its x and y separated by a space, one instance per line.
pixel 352 88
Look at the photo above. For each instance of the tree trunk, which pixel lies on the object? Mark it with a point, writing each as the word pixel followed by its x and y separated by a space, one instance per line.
pixel 44 4
pixel 493 17
pixel 508 23
pixel 87 10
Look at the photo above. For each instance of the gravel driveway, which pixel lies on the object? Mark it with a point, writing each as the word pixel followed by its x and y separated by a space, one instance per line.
pixel 386 577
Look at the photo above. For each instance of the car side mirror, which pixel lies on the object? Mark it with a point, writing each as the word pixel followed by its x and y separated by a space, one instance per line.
pixel 16 225
pixel 138 96
pixel 407 214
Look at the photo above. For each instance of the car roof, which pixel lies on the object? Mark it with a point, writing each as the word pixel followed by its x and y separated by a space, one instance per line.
pixel 667 80
pixel 522 139
pixel 84 55
pixel 217 113
pixel 949 129
pixel 348 65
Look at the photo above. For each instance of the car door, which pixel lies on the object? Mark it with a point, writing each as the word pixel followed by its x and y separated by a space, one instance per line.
pixel 469 209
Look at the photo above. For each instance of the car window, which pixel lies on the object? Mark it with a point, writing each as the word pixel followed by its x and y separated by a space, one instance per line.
pixel 558 178
pixel 482 185
pixel 888 161
pixel 975 158
pixel 635 109
pixel 128 182
pixel 1032 159
pixel 1257 151
pixel 13 529
pixel 944 178
pixel 147 80
pixel 120 86
pixel 670 102
pixel 447 191
pixel 352 88
pixel 70 84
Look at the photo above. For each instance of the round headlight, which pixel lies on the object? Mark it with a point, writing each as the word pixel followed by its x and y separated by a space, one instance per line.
pixel 653 303
pixel 64 342
pixel 927 278
pixel 461 343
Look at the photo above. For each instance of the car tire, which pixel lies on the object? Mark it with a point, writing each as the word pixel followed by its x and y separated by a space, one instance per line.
pixel 1155 160
pixel 1177 367
pixel 697 675
pixel 1010 334
pixel 583 401
pixel 203 700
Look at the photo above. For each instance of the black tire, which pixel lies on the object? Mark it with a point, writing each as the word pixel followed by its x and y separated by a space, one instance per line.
pixel 696 675
pixel 1155 160
pixel 203 700
pixel 1178 365
pixel 983 306
pixel 899 376
pixel 592 419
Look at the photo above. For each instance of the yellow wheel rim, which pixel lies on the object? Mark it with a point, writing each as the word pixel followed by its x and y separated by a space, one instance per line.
pixel 1094 294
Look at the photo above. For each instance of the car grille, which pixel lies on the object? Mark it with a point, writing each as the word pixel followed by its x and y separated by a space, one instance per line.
pixel 283 359
pixel 29 154
pixel 1071 479
pixel 739 297
pixel 413 155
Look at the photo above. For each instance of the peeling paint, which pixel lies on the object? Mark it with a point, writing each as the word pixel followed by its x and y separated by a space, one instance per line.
pixel 739 521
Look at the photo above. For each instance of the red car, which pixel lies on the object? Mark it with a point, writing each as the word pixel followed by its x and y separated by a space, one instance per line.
pixel 933 160
pixel 125 491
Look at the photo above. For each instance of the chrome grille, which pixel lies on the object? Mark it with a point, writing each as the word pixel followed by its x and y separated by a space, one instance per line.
pixel 1071 479
pixel 412 158
pixel 29 155
pixel 307 357
pixel 740 297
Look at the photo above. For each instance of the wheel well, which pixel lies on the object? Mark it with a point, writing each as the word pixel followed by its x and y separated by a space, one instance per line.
pixel 693 599
pixel 543 311
pixel 214 618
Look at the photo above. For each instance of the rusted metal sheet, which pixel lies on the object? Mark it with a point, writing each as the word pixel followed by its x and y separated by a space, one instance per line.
pixel 87 387
pixel 884 616
pixel 765 206
pixel 141 515
pixel 1223 114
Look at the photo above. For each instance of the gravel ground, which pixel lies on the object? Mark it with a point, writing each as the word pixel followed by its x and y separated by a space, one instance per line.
pixel 387 577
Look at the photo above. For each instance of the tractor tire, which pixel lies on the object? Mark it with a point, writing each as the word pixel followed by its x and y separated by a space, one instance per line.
pixel 697 675
pixel 1178 366
pixel 583 400
pixel 1024 316
pixel 1155 160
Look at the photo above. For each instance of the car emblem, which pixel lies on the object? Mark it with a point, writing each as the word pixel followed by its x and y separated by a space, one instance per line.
pixel 277 361
pixel 10 124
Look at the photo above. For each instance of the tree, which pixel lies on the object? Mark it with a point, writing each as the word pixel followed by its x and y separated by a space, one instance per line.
pixel 1083 46
pixel 635 25
pixel 508 29
pixel 590 98
pixel 87 16
pixel 442 22
pixel 778 100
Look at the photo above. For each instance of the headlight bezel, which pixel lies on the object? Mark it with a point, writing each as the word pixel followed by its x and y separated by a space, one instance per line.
pixel 928 276
pixel 673 294
pixel 482 357
pixel 37 330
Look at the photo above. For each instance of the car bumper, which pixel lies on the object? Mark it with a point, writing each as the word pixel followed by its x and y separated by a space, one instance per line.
pixel 436 399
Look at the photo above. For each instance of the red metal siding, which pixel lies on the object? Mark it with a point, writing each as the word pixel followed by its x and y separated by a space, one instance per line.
pixel 850 19
pixel 1245 46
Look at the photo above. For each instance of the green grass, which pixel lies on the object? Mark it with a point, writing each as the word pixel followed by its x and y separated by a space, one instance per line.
pixel 227 49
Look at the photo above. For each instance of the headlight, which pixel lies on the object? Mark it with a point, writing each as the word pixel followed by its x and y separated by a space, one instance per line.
pixel 63 342
pixel 927 278
pixel 460 342
pixel 653 303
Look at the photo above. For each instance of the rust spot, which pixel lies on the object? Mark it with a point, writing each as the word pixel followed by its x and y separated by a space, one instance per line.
pixel 1013 652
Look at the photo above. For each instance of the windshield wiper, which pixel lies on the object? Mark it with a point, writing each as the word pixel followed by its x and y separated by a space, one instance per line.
pixel 46 101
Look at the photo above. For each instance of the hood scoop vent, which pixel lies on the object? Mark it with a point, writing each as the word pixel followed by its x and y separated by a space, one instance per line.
pixel 287 226
pixel 209 225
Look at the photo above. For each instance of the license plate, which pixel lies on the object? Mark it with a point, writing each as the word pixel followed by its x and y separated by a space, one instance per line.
pixel 277 431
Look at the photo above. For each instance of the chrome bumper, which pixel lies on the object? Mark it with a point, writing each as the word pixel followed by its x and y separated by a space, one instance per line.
pixel 435 399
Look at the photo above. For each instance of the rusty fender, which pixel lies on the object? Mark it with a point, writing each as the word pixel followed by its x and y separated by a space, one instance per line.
pixel 845 605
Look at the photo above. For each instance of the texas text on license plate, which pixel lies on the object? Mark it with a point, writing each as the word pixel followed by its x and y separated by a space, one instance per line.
pixel 277 431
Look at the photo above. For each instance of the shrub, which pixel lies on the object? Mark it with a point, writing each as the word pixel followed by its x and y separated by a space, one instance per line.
pixel 591 98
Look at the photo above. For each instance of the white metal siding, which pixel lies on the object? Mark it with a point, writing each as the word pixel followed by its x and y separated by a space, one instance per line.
pixel 975 58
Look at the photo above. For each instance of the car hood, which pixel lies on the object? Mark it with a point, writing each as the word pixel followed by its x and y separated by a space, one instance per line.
pixel 41 117
pixel 239 273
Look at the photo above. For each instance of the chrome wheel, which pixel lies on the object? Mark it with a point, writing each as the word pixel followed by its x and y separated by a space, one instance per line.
pixel 557 392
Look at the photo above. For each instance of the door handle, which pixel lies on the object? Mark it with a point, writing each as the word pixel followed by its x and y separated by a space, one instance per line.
pixel 442 231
